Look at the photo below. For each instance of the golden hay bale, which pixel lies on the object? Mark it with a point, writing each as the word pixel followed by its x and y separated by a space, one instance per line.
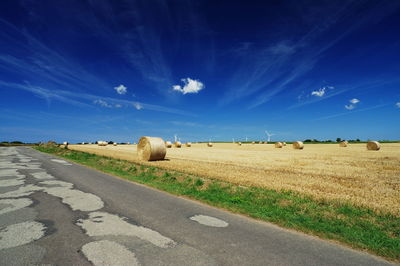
pixel 115 144
pixel 209 144
pixel 102 143
pixel 278 144
pixel 260 142
pixel 151 149
pixel 298 145
pixel 177 144
pixel 253 142
pixel 373 145
pixel 188 144
pixel 239 143
pixel 284 143
pixel 265 142
pixel 343 144
pixel 65 143
pixel 168 144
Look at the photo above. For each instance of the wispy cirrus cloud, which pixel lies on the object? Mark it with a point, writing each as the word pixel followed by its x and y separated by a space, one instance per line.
pixel 266 72
pixel 397 104
pixel 355 111
pixel 82 99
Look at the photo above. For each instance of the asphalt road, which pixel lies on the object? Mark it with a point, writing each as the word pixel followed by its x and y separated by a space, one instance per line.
pixel 55 212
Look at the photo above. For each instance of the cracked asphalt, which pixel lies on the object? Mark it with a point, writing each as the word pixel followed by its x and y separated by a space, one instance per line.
pixel 56 212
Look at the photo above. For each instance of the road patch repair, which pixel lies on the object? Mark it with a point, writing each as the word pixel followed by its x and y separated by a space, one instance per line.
pixel 209 221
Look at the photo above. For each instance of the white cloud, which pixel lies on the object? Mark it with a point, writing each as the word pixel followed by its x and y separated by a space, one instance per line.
pixel 118 105
pixel 321 91
pixel 102 103
pixel 191 86
pixel 354 101
pixel 398 104
pixel 138 106
pixel 121 89
pixel 353 104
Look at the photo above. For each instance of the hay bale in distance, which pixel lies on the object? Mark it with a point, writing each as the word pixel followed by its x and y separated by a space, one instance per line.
pixel 102 143
pixel 151 149
pixel 115 144
pixel 253 142
pixel 343 144
pixel 177 144
pixel 209 144
pixel 298 145
pixel 168 144
pixel 373 146
pixel 239 143
pixel 278 144
pixel 188 144
pixel 284 143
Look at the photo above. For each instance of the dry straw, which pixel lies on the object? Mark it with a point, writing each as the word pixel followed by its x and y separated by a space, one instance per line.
pixel 373 145
pixel 239 143
pixel 209 144
pixel 151 149
pixel 188 144
pixel 343 144
pixel 278 144
pixel 115 144
pixel 168 144
pixel 177 144
pixel 284 143
pixel 298 145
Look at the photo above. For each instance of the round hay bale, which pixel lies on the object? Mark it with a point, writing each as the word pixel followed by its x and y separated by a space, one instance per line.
pixel 115 144
pixel 284 143
pixel 177 144
pixel 151 149
pixel 373 146
pixel 278 144
pixel 260 142
pixel 253 142
pixel 168 144
pixel 188 144
pixel 343 144
pixel 298 145
pixel 65 143
pixel 102 143
pixel 209 144
pixel 239 143
pixel 265 142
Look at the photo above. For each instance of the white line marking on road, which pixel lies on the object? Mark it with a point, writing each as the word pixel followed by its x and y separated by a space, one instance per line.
pixel 19 234
pixel 209 221
pixel 106 252
pixel 16 204
pixel 61 161
pixel 102 223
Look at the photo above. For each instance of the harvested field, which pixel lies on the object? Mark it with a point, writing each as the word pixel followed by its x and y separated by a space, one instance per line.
pixel 324 171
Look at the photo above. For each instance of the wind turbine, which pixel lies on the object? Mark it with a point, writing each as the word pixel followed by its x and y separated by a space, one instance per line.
pixel 176 138
pixel 268 136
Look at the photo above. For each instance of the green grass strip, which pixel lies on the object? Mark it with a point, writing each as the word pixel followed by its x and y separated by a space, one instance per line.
pixel 357 227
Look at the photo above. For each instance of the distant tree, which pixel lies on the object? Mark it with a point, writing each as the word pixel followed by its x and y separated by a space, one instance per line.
pixel 328 140
pixel 358 140
pixel 338 139
pixel 307 140
pixel 315 140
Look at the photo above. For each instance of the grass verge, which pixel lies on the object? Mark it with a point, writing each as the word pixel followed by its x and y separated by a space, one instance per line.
pixel 357 227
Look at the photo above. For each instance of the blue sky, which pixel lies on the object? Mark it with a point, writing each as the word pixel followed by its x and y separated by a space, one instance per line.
pixel 117 70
